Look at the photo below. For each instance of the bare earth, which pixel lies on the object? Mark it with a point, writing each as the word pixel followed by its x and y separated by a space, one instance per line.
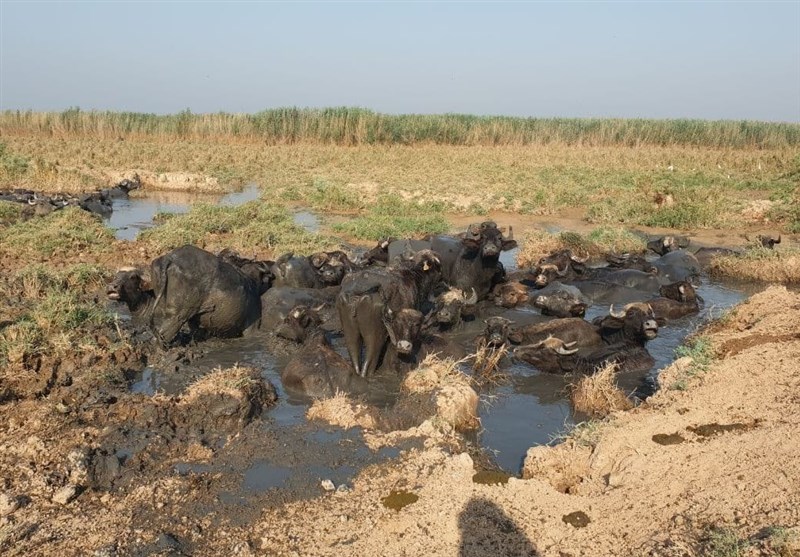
pixel 722 453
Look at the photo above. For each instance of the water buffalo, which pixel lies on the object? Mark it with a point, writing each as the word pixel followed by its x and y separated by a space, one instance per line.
pixel 278 302
pixel 666 244
pixel 635 324
pixel 258 271
pixel 315 271
pixel 450 306
pixel 379 255
pixel 629 261
pixel 561 265
pixel 316 369
pixel 561 300
pixel 677 265
pixel 469 261
pixel 573 330
pixel 767 242
pixel 473 262
pixel 495 333
pixel 372 300
pixel 133 289
pixel 553 355
pixel 677 300
pixel 510 294
pixel 191 285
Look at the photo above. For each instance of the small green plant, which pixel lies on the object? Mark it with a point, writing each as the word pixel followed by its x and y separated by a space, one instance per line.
pixel 724 542
pixel 584 434
pixel 700 350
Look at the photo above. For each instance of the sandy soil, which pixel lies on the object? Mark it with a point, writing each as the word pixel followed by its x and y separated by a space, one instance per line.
pixel 720 453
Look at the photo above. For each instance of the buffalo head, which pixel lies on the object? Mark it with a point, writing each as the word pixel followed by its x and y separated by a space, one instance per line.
pixel 666 244
pixel 497 332
pixel 681 291
pixel 634 323
pixel 129 287
pixel 560 303
pixel 488 240
pixel 450 305
pixel 260 272
pixel 299 323
pixel 331 266
pixel 510 294
pixel 378 254
pixel 403 327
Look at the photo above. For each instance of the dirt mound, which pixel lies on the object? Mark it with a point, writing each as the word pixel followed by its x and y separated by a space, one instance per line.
pixel 172 181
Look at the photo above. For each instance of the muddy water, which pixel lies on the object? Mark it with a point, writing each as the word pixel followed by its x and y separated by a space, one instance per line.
pixel 528 409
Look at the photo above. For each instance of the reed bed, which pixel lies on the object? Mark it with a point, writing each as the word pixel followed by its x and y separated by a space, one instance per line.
pixel 358 126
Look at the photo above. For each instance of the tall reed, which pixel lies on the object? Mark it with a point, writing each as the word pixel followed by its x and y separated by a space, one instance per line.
pixel 358 126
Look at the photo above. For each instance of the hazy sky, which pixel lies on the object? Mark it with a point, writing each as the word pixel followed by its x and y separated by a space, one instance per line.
pixel 730 60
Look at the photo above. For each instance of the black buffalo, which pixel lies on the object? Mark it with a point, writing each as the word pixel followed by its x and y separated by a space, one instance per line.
pixel 191 286
pixel 666 244
pixel 372 299
pixel 677 300
pixel 553 355
pixel 316 369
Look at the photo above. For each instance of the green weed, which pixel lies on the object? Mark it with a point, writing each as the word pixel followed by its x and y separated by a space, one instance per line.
pixel 396 218
pixel 68 230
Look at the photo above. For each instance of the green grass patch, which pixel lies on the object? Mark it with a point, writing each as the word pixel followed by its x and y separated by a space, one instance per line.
pixel 325 196
pixel 701 352
pixel 248 227
pixel 55 313
pixel 10 212
pixel 397 218
pixel 66 231
pixel 724 542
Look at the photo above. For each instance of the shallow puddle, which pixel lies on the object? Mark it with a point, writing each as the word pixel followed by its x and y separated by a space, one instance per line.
pixel 491 477
pixel 132 215
pixel 396 500
pixel 668 438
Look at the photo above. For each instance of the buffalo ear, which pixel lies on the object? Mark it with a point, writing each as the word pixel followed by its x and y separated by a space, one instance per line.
pixel 283 259
pixel 515 336
pixel 661 321
pixel 509 244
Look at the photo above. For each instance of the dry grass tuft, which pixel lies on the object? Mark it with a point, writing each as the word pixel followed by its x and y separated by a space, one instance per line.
pixel 486 363
pixel 238 382
pixel 340 410
pixel 759 264
pixel 597 395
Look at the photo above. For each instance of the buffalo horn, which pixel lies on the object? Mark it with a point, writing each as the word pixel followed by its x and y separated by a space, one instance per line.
pixel 778 241
pixel 577 259
pixel 563 273
pixel 563 350
pixel 510 235
pixel 472 300
pixel 618 315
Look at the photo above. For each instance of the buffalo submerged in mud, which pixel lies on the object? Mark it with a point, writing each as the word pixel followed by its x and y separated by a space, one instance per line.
pixel 405 299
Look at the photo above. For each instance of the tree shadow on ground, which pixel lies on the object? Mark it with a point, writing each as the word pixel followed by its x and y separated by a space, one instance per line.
pixel 487 530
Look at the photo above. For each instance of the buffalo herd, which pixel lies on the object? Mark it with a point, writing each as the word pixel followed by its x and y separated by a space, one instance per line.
pixel 404 299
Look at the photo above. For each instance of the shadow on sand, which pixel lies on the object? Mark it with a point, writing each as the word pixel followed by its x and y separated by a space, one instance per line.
pixel 487 530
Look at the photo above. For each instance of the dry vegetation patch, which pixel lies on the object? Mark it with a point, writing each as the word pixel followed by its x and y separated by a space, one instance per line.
pixel 597 395
pixel 602 240
pixel 760 264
